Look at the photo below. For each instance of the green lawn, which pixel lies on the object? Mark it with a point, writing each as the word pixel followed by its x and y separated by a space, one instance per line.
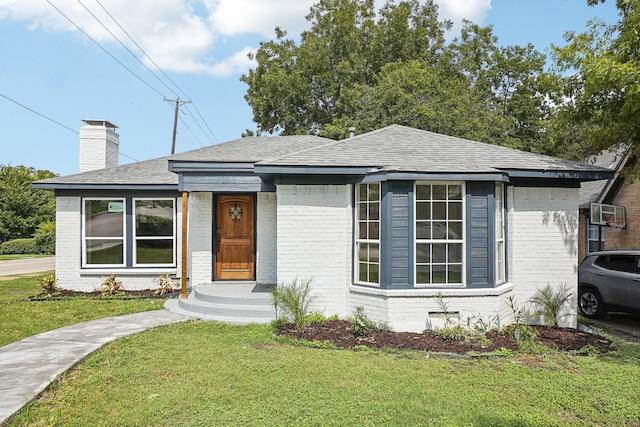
pixel 209 374
pixel 6 257
pixel 20 318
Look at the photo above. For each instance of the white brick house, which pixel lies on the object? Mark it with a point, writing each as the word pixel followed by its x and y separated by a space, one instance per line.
pixel 386 220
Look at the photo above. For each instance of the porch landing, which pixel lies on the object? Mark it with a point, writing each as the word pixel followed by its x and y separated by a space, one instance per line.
pixel 229 302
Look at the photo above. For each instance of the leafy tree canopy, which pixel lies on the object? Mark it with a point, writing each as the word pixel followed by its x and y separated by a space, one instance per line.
pixel 23 208
pixel 356 67
pixel 602 96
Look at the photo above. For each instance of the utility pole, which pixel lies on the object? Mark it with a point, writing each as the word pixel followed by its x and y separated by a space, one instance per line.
pixel 178 102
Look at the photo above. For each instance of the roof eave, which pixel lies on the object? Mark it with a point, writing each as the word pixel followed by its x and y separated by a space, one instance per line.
pixel 107 187
pixel 578 175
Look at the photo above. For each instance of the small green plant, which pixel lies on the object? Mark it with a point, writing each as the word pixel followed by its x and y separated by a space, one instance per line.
pixel 165 284
pixel 111 286
pixel 277 324
pixel 549 303
pixel 480 325
pixel 314 317
pixel 360 323
pixel 519 331
pixel 516 311
pixel 453 333
pixel 452 330
pixel 293 300
pixel 48 286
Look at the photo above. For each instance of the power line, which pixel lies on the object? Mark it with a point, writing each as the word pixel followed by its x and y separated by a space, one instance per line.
pixel 159 69
pixel 53 121
pixel 141 50
pixel 103 49
pixel 122 44
pixel 143 64
pixel 178 102
pixel 40 114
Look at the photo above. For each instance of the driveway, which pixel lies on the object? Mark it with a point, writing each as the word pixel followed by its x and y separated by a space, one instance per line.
pixel 626 326
pixel 25 267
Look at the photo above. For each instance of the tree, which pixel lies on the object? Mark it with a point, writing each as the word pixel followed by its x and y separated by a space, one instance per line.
pixel 602 94
pixel 23 208
pixel 353 69
pixel 296 89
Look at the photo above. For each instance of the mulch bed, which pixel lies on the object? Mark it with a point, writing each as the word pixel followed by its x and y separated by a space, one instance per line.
pixel 124 294
pixel 340 334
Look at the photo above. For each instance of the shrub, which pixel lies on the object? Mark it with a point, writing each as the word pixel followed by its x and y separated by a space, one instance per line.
pixel 48 286
pixel 549 303
pixel 45 237
pixel 360 323
pixel 19 246
pixel 165 284
pixel 111 285
pixel 314 317
pixel 293 301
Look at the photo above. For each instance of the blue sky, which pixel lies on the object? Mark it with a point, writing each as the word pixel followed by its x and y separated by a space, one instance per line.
pixel 51 67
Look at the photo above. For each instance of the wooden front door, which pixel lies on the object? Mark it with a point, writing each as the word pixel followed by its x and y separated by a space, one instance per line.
pixel 234 230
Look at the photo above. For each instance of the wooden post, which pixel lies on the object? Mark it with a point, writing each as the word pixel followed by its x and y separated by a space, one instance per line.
pixel 185 215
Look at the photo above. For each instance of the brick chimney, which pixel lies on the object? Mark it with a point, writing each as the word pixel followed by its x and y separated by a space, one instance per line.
pixel 99 144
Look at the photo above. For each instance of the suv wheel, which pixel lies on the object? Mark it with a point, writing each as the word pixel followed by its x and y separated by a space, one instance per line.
pixel 590 303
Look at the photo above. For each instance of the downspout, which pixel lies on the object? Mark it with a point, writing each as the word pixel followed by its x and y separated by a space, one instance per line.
pixel 183 274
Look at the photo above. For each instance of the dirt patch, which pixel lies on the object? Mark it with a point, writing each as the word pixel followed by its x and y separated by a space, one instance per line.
pixel 340 333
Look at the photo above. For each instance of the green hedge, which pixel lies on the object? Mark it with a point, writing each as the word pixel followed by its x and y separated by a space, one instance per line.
pixel 19 246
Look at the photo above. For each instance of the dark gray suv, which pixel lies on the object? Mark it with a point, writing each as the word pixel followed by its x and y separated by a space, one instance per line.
pixel 609 281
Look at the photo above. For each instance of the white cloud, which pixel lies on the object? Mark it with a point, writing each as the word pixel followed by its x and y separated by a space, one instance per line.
pixel 457 10
pixel 232 17
pixel 181 35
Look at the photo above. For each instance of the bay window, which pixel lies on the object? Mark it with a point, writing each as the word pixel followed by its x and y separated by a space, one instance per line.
pixel 500 270
pixel 368 233
pixel 439 233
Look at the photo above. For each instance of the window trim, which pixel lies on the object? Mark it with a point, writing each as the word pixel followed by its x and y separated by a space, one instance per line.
pixel 359 240
pixel 135 237
pixel 128 238
pixel 462 241
pixel 123 239
pixel 599 240
pixel 500 271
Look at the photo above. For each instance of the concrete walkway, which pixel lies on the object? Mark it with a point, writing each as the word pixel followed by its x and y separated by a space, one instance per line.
pixel 27 367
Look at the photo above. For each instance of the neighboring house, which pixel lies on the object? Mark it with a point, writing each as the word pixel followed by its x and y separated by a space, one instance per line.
pixel 388 220
pixel 610 209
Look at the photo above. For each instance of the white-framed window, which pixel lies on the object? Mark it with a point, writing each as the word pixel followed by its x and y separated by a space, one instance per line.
pixel 439 233
pixel 154 232
pixel 595 238
pixel 500 271
pixel 368 233
pixel 103 241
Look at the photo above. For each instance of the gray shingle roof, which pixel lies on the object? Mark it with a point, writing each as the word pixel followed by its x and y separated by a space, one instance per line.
pixel 612 158
pixel 149 172
pixel 401 148
pixel 253 149
pixel 393 148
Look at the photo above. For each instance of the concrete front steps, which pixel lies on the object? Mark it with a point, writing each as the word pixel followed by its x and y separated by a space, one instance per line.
pixel 229 302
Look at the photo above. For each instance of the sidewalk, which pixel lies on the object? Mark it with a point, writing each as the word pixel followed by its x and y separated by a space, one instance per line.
pixel 27 367
pixel 12 269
